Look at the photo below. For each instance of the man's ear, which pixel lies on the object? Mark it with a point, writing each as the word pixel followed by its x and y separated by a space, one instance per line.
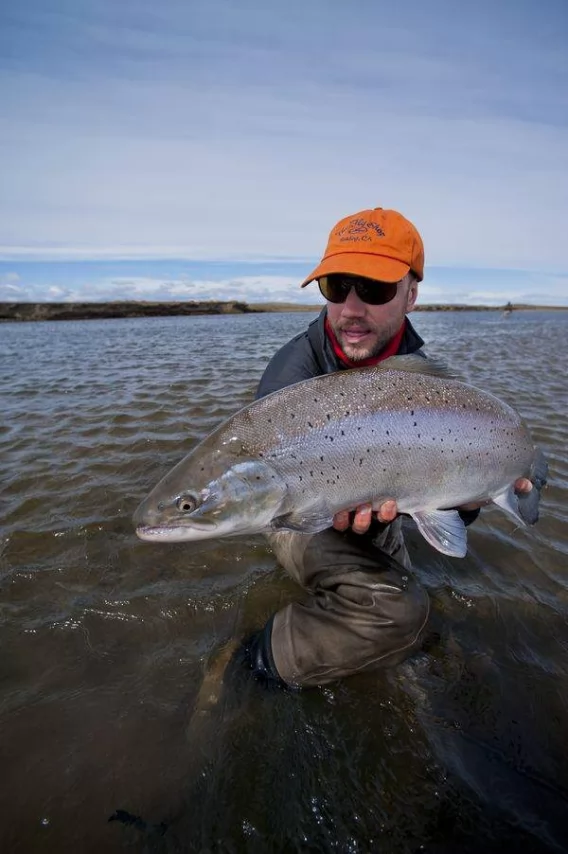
pixel 412 293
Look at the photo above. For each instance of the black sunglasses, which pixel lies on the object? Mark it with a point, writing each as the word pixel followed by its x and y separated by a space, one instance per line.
pixel 335 288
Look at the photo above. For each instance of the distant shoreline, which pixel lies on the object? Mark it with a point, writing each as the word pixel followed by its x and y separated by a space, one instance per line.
pixel 38 311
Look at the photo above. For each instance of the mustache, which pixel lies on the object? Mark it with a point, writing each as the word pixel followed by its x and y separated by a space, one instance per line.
pixel 346 326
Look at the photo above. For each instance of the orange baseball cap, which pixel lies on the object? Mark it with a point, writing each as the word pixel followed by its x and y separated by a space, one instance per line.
pixel 378 244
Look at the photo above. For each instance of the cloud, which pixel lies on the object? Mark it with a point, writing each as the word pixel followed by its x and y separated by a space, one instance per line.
pixel 152 281
pixel 244 288
pixel 235 131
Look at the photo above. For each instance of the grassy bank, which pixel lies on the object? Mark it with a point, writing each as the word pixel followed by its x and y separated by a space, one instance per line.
pixel 37 311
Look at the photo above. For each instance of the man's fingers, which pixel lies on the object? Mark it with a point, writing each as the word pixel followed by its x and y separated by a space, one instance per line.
pixel 363 515
pixel 523 485
pixel 341 520
pixel 362 520
pixel 387 511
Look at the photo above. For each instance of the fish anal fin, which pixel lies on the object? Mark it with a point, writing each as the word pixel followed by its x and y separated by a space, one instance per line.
pixel 444 530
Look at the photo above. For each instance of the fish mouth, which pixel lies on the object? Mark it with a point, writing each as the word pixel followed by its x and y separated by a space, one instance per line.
pixel 174 534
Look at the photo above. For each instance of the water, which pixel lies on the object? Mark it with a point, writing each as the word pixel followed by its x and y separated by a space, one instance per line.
pixel 104 638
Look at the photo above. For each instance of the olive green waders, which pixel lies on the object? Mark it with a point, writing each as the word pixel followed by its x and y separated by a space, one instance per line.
pixel 365 609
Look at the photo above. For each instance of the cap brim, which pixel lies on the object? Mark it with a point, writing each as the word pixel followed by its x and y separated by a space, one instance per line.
pixel 359 264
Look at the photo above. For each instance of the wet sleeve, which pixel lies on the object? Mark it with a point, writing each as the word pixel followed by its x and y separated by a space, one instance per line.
pixel 293 363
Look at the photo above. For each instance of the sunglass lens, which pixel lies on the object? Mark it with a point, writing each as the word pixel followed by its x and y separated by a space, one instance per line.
pixel 333 288
pixel 376 293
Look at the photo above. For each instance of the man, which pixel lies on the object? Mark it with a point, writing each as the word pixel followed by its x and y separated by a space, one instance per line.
pixel 365 609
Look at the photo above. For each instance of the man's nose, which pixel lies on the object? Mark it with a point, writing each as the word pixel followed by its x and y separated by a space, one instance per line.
pixel 353 305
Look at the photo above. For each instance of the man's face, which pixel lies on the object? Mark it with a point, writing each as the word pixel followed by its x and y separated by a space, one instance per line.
pixel 364 330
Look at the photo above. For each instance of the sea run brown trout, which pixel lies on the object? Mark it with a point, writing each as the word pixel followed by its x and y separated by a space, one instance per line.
pixel 400 430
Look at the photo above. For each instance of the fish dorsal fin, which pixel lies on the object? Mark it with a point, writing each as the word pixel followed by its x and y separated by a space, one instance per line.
pixel 414 364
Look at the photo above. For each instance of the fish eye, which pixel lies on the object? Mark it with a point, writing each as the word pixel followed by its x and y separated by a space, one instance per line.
pixel 186 503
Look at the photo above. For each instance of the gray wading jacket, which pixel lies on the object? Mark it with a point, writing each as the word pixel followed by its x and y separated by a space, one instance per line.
pixel 310 354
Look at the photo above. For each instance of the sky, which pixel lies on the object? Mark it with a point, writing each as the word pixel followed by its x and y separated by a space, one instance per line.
pixel 204 150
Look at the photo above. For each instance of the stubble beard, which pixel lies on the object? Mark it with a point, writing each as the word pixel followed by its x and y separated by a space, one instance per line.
pixel 362 352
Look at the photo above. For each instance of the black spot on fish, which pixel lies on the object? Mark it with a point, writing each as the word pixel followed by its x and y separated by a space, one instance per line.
pixel 415 424
pixel 412 411
pixel 310 424
pixel 328 417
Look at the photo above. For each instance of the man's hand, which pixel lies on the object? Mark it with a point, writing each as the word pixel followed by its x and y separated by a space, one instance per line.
pixel 388 511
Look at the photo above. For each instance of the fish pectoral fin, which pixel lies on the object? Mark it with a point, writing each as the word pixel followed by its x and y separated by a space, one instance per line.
pixel 310 522
pixel 443 529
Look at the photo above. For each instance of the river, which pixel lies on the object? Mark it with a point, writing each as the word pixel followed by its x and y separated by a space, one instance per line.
pixel 104 638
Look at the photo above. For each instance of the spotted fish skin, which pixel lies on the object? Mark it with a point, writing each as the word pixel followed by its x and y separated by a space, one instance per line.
pixel 336 441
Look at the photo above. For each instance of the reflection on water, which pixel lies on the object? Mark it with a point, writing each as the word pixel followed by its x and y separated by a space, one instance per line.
pixel 104 637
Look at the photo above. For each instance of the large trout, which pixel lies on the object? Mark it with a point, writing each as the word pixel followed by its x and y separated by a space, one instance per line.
pixel 400 430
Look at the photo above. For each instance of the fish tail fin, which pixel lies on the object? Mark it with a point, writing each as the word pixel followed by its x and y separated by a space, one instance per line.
pixel 529 501
pixel 523 508
pixel 539 470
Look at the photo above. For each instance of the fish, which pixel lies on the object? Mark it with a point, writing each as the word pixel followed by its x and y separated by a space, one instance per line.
pixel 403 429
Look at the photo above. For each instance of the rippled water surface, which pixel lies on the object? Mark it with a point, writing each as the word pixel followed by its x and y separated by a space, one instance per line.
pixel 104 638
